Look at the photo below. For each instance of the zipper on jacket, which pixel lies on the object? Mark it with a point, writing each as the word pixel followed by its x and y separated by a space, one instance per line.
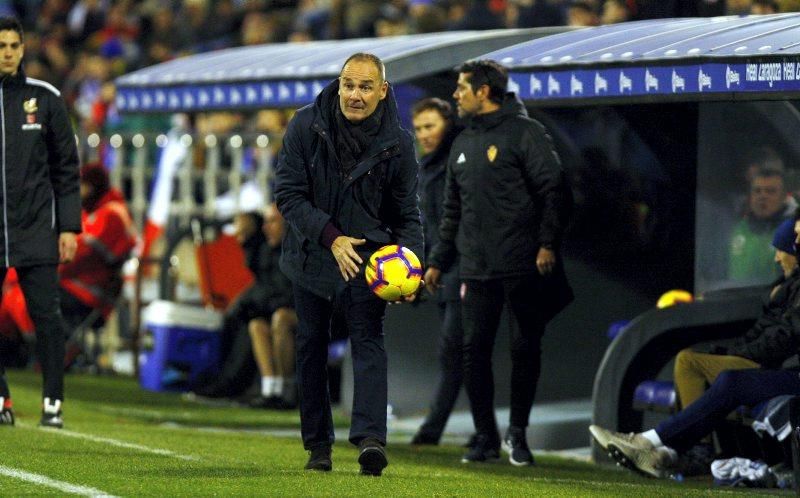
pixel 5 193
pixel 52 210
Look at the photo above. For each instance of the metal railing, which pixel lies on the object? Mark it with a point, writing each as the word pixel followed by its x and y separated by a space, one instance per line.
pixel 213 165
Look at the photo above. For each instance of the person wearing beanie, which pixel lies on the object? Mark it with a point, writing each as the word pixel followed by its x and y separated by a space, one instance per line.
pixel 746 372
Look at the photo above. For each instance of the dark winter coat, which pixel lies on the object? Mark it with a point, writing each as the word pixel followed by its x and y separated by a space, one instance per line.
pixel 505 197
pixel 775 336
pixel 39 192
pixel 376 201
pixel 432 173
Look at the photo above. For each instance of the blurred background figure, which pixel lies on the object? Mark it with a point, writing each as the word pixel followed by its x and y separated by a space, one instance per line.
pixel 272 336
pixel 435 132
pixel 760 7
pixel 768 204
pixel 581 13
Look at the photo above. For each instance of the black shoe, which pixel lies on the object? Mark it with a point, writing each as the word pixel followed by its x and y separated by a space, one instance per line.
pixel 319 458
pixel 267 403
pixel 372 457
pixel 217 389
pixel 51 414
pixel 424 439
pixel 485 448
pixel 471 441
pixel 517 447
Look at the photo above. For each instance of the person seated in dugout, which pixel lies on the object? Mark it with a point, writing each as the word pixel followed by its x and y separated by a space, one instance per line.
pixel 767 344
pixel 93 279
pixel 773 339
pixel 258 327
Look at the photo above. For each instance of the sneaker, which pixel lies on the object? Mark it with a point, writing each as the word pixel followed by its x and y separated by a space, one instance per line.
pixel 319 458
pixel 633 451
pixel 6 413
pixel 424 439
pixel 485 448
pixel 51 414
pixel 516 446
pixel 371 457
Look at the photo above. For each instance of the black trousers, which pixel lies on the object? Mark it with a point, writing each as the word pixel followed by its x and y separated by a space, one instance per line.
pixel 451 365
pixel 482 306
pixel 41 290
pixel 363 313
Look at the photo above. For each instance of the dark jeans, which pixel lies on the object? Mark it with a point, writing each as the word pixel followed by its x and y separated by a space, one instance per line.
pixel 733 388
pixel 41 290
pixel 363 312
pixel 482 305
pixel 451 364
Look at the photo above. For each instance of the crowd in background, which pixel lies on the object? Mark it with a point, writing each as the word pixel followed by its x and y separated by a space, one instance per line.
pixel 80 46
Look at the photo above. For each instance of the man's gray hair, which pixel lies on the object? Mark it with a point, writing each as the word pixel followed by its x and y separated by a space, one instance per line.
pixel 364 56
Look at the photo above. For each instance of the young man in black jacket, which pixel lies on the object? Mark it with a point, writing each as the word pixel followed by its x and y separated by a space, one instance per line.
pixel 346 183
pixel 41 209
pixel 435 132
pixel 505 208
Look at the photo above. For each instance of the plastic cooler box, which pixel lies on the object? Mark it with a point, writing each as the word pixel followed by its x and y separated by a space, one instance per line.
pixel 180 345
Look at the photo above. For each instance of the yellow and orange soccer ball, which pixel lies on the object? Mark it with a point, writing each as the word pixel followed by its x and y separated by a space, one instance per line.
pixel 393 272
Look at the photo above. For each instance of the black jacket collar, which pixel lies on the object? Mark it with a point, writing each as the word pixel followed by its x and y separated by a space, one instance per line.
pixel 15 80
pixel 511 106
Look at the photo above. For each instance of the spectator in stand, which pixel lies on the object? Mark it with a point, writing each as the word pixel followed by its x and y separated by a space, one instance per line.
pixel 616 11
pixel 477 14
pixel 761 7
pixel 582 14
pixel 738 7
pixel 533 14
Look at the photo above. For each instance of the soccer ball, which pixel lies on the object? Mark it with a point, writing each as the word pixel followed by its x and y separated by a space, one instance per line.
pixel 393 272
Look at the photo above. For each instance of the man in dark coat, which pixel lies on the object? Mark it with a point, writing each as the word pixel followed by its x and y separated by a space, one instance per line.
pixel 505 208
pixel 346 183
pixel 435 132
pixel 41 209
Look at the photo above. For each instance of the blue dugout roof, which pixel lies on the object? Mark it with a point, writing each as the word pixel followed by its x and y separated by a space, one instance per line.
pixel 292 74
pixel 723 58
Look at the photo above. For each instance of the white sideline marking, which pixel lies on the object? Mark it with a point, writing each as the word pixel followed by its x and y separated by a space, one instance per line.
pixel 52 483
pixel 117 443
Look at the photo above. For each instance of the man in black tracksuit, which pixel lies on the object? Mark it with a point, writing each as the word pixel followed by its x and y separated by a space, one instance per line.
pixel 505 207
pixel 40 206
pixel 346 183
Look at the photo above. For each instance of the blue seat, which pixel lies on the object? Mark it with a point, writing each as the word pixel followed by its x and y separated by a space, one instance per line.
pixel 655 395
pixel 616 328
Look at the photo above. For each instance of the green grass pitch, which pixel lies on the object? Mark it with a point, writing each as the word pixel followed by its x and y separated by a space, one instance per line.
pixel 120 440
